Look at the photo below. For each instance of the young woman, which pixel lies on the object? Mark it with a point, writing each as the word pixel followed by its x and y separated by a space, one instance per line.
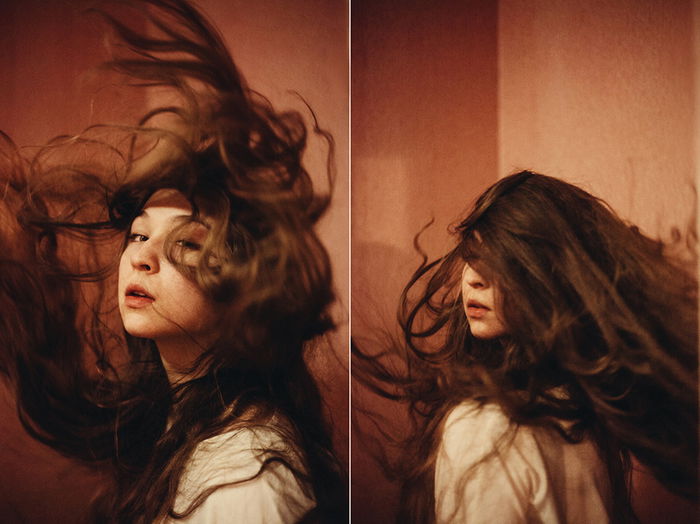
pixel 551 345
pixel 164 285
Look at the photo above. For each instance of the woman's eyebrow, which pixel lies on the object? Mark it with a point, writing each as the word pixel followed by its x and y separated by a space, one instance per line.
pixel 141 215
pixel 139 218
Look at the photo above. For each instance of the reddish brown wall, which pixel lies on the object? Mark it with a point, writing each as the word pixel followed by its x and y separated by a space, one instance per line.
pixel 46 50
pixel 603 94
pixel 284 47
pixel 424 144
pixel 447 98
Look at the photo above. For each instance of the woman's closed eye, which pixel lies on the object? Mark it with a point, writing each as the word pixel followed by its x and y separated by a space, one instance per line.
pixel 189 244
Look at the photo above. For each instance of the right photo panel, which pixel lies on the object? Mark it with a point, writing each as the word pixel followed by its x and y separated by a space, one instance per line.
pixel 524 261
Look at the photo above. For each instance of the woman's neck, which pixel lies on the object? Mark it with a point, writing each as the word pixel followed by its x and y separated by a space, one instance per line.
pixel 180 359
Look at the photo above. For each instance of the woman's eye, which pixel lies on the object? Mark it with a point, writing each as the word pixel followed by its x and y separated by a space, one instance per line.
pixel 137 237
pixel 188 244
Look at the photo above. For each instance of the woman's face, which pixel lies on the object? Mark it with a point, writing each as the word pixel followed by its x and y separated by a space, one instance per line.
pixel 156 301
pixel 480 305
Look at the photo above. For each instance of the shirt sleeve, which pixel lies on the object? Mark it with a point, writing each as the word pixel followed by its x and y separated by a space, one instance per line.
pixel 247 489
pixel 274 497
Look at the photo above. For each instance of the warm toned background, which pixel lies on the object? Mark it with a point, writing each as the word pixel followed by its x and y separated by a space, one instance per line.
pixel 449 96
pixel 446 97
pixel 46 51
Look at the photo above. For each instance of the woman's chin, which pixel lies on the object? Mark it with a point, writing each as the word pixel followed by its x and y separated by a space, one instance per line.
pixel 486 332
pixel 139 329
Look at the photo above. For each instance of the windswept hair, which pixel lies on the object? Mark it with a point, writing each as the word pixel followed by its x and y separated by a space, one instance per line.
pixel 94 392
pixel 602 337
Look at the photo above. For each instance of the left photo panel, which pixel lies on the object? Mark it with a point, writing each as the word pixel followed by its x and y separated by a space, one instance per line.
pixel 174 262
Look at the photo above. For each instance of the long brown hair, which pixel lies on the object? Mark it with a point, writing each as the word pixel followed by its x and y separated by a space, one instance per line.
pixel 602 337
pixel 94 392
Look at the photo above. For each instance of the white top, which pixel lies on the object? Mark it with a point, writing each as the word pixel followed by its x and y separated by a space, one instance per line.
pixel 234 459
pixel 534 475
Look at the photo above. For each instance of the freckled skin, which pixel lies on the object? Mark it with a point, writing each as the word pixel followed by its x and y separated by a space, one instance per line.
pixel 180 313
pixel 484 322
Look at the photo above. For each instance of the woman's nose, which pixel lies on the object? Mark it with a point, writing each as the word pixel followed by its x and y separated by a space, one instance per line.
pixel 146 257
pixel 473 279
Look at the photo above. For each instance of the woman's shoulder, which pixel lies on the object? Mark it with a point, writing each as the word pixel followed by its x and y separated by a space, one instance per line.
pixel 473 428
pixel 487 465
pixel 251 473
pixel 471 411
pixel 239 451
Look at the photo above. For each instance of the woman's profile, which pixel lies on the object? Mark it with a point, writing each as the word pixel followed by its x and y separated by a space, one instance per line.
pixel 551 346
pixel 164 287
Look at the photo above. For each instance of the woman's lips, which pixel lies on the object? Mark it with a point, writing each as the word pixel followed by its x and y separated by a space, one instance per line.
pixel 137 297
pixel 476 309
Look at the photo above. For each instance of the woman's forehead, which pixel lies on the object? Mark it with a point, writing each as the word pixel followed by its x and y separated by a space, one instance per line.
pixel 169 198
pixel 170 207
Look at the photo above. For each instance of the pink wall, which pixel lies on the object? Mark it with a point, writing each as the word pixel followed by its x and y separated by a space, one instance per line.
pixel 599 93
pixel 283 46
pixel 603 94
pixel 696 89
pixel 445 99
pixel 424 144
pixel 46 50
